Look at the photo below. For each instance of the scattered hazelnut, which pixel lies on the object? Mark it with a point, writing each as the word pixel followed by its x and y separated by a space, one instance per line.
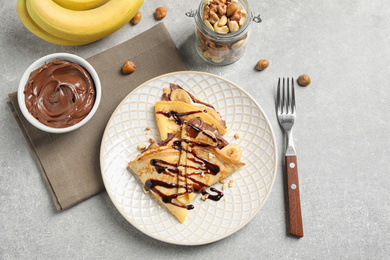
pixel 137 17
pixel 237 135
pixel 223 181
pixel 147 128
pixel 262 64
pixel 160 13
pixel 151 140
pixel 128 67
pixel 231 182
pixel 304 80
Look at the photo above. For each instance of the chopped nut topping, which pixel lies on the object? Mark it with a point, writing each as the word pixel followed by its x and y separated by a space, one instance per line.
pixel 237 135
pixel 147 128
pixel 151 140
pixel 231 182
pixel 211 156
pixel 205 197
pixel 223 181
pixel 141 147
pixel 224 187
pixel 167 90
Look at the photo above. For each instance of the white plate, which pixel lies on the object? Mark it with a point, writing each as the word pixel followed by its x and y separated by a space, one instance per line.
pixel 209 221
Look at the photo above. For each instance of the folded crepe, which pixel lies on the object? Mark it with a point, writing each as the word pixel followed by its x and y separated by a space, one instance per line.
pixel 178 106
pixel 157 169
pixel 192 156
pixel 208 158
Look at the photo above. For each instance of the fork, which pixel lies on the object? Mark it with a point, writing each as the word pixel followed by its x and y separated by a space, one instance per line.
pixel 285 107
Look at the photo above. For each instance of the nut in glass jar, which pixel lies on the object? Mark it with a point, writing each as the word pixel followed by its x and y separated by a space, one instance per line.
pixel 222 30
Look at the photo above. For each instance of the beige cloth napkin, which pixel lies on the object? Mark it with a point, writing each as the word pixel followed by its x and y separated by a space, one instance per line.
pixel 70 162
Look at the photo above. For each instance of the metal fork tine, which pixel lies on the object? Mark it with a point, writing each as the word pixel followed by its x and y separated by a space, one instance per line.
pixel 278 98
pixel 293 96
pixel 288 96
pixel 283 98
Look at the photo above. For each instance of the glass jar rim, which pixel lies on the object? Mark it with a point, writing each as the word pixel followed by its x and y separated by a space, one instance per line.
pixel 240 31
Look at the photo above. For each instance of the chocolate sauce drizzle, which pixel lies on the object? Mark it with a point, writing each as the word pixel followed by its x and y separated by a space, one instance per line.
pixel 215 197
pixel 205 164
pixel 151 185
pixel 194 99
pixel 196 125
pixel 163 167
pixel 178 116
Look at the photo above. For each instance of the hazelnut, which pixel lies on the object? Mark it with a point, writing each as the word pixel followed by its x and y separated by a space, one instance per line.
pixel 128 67
pixel 262 64
pixel 160 13
pixel 137 17
pixel 304 80
pixel 232 7
pixel 236 17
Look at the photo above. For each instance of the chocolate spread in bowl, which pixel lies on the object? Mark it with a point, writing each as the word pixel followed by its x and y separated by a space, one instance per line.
pixel 59 94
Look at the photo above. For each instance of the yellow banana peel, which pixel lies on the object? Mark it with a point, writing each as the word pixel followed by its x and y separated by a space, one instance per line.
pixel 54 23
pixel 80 5
pixel 35 29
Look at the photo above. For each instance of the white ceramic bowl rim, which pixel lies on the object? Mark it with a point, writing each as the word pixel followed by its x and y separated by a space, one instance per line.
pixel 49 58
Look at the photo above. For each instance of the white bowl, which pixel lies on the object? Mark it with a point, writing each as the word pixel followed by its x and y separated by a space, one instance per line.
pixel 49 58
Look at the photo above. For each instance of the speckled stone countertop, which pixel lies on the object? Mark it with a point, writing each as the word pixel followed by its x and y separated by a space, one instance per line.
pixel 341 136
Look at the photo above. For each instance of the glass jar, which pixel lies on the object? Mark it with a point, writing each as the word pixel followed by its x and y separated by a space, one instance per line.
pixel 213 43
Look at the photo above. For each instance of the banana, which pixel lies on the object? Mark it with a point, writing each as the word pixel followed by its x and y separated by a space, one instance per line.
pixel 180 95
pixel 233 151
pixel 80 5
pixel 89 25
pixel 35 29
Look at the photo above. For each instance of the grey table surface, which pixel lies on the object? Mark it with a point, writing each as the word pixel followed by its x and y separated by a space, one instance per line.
pixel 342 138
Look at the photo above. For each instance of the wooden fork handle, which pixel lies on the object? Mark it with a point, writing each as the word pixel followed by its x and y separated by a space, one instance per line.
pixel 294 202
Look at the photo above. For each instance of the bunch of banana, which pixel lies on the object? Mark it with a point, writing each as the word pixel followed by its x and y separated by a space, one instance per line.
pixel 75 22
